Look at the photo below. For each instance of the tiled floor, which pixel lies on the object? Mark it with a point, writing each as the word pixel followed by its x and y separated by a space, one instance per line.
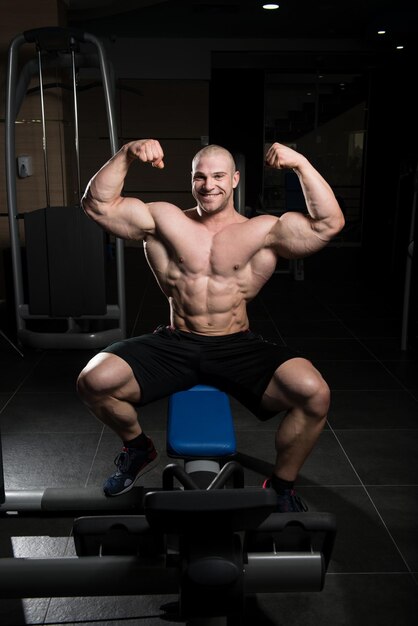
pixel 364 468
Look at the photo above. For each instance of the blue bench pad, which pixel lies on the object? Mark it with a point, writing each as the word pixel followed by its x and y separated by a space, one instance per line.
pixel 200 423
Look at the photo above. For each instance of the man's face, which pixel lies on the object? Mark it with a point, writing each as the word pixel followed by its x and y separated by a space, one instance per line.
pixel 213 182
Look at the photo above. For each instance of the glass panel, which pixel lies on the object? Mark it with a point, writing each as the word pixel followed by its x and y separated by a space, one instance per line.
pixel 323 116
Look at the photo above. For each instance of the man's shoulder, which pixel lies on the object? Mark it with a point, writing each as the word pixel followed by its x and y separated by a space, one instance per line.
pixel 264 218
pixel 161 210
pixel 261 223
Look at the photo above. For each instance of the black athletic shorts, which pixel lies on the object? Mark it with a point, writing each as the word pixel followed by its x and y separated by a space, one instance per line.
pixel 169 360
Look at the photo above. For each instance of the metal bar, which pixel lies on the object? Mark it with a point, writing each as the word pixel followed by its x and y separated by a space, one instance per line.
pixel 112 313
pixel 85 576
pixel 76 133
pixel 71 500
pixel 230 469
pixel 284 571
pixel 75 341
pixel 10 165
pixel 172 471
pixel 111 117
pixel 129 575
pixel 44 140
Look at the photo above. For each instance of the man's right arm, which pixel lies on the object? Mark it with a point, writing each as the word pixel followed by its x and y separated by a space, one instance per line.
pixel 125 217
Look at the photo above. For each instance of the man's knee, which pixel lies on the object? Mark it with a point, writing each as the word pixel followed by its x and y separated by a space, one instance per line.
pixel 89 384
pixel 105 375
pixel 304 386
pixel 320 396
pixel 92 384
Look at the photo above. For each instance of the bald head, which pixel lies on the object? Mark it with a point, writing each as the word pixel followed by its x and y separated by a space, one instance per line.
pixel 214 150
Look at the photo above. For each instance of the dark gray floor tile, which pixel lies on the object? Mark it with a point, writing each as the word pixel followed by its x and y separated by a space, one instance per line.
pixel 22 612
pixel 312 328
pixel 326 465
pixel 47 460
pixel 22 536
pixel 43 412
pixel 388 348
pixel 366 310
pixel 4 399
pixel 405 371
pixel 347 600
pixel 333 348
pixel 110 611
pixel 362 542
pixel 57 371
pixel 383 457
pixel 375 327
pixel 15 369
pixel 398 507
pixel 293 310
pixel 373 408
pixel 38 547
pixel 356 375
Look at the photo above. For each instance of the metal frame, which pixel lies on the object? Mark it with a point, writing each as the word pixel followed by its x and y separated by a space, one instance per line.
pixel 17 84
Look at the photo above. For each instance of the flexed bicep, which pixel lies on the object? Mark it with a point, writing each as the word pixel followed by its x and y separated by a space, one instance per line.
pixel 128 218
pixel 295 236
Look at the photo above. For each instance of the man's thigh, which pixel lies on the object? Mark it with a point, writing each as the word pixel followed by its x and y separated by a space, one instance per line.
pixel 292 384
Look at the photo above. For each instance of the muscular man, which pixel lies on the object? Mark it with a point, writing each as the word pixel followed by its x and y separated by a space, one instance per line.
pixel 209 261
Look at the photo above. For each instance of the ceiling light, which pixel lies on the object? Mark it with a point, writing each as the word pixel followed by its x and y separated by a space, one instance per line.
pixel 399 47
pixel 270 7
pixel 381 32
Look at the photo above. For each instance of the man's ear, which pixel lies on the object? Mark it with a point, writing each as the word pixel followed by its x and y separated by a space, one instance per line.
pixel 235 180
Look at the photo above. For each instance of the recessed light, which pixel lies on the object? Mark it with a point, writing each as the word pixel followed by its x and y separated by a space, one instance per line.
pixel 399 47
pixel 381 32
pixel 270 7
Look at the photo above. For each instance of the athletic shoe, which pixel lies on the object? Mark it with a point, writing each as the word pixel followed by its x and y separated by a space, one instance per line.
pixel 287 501
pixel 131 463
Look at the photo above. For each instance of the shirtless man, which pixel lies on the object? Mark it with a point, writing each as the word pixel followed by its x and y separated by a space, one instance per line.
pixel 209 261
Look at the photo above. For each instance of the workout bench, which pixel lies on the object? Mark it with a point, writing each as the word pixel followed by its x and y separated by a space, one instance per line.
pixel 211 544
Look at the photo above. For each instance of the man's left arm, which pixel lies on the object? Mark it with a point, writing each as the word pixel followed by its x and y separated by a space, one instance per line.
pixel 295 235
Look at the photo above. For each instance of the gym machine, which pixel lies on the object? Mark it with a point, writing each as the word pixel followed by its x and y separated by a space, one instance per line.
pixel 61 281
pixel 203 536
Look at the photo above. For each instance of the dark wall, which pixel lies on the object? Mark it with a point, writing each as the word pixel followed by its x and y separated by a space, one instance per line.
pixel 236 121
pixel 392 154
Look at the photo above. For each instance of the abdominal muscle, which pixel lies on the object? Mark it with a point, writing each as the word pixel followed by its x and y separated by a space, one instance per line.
pixel 209 307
